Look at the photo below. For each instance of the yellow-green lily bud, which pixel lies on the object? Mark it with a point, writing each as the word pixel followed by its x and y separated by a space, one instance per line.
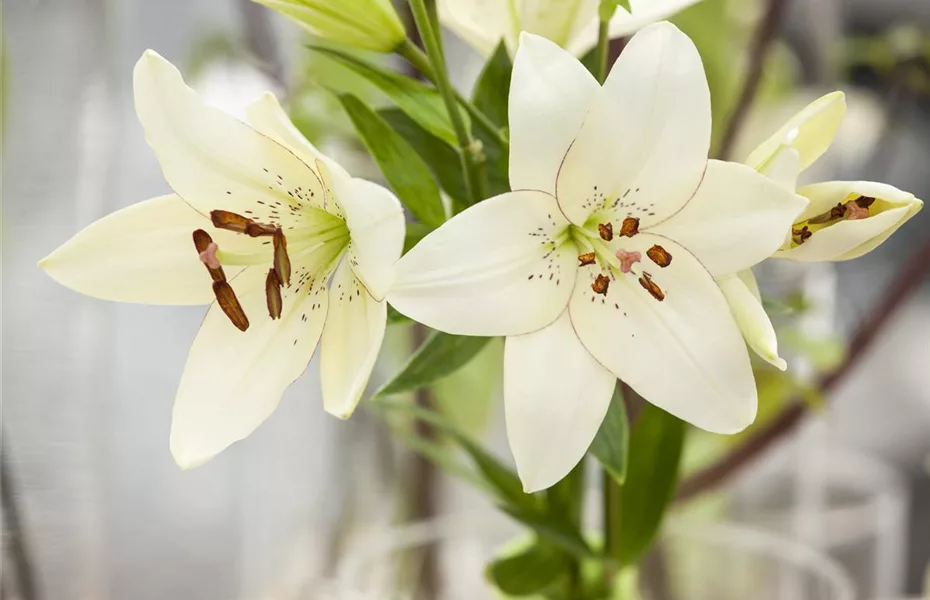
pixel 846 219
pixel 364 24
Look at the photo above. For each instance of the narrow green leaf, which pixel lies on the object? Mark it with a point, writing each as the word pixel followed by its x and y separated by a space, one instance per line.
pixel 402 167
pixel 558 532
pixel 418 100
pixel 492 90
pixel 440 355
pixel 443 160
pixel 529 571
pixel 655 453
pixel 611 444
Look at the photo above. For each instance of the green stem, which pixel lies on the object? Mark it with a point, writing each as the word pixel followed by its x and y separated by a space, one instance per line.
pixel 418 59
pixel 603 49
pixel 612 505
pixel 473 168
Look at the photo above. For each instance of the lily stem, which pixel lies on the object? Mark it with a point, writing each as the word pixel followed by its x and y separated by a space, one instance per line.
pixel 603 49
pixel 474 168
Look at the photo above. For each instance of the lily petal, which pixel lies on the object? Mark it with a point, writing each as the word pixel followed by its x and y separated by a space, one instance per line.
pixel 213 160
pixel 501 267
pixel 810 132
pixel 233 380
pixel 558 20
pixel 684 353
pixel 550 94
pixel 143 253
pixel 752 320
pixel 645 140
pixel 848 239
pixel 376 228
pixel 481 23
pixel 555 397
pixel 784 167
pixel 351 341
pixel 623 24
pixel 734 208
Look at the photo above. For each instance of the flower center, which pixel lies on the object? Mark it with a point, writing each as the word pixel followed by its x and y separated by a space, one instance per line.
pixel 853 208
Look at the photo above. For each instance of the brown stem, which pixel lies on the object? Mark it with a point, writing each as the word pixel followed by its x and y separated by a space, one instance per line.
pixel 906 282
pixel 761 42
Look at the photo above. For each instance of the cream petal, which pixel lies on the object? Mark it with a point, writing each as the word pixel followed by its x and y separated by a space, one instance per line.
pixel 557 20
pixel 555 397
pixel 623 24
pixel 214 161
pixel 784 167
pixel 684 353
pixel 502 267
pixel 351 341
pixel 752 320
pixel 645 140
pixel 481 23
pixel 233 380
pixel 143 253
pixel 376 228
pixel 810 132
pixel 550 93
pixel 736 219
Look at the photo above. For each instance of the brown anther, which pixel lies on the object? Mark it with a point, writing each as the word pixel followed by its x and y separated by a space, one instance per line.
pixel 259 229
pixel 630 227
pixel 837 212
pixel 659 256
pixel 223 219
pixel 282 264
pixel 865 201
pixel 650 286
pixel 273 294
pixel 586 259
pixel 226 298
pixel 206 249
pixel 606 230
pixel 600 285
pixel 802 234
pixel 628 259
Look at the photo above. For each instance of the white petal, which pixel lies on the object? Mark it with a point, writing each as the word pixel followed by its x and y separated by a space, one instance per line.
pixel 550 93
pixel 644 143
pixel 233 380
pixel 376 228
pixel 351 341
pixel 213 160
pixel 737 218
pixel 810 132
pixel 481 23
pixel 784 167
pixel 555 397
pixel 846 240
pixel 502 267
pixel 749 280
pixel 685 353
pixel 557 20
pixel 623 24
pixel 143 253
pixel 752 320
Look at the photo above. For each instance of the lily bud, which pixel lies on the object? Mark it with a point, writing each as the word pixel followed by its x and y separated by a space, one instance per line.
pixel 846 219
pixel 364 24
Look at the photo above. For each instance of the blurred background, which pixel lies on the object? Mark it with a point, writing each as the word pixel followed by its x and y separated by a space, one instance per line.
pixel 94 506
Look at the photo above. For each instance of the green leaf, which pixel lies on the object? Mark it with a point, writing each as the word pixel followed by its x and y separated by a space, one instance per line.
pixel 440 355
pixel 394 317
pixel 553 530
pixel 469 396
pixel 402 167
pixel 611 444
pixel 492 90
pixel 444 160
pixel 529 571
pixel 655 453
pixel 418 100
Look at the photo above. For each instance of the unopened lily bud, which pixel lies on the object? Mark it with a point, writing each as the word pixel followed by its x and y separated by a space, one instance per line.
pixel 846 219
pixel 364 24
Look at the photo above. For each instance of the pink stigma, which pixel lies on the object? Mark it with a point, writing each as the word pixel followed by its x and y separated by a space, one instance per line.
pixel 628 259
pixel 208 256
pixel 854 212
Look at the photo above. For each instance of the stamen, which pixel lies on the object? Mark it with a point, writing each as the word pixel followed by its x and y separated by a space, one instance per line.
pixel 630 227
pixel 282 263
pixel 628 259
pixel 606 230
pixel 206 249
pixel 834 213
pixel 585 259
pixel 650 286
pixel 659 256
pixel 802 234
pixel 273 294
pixel 865 201
pixel 600 285
pixel 223 219
pixel 259 229
pixel 226 298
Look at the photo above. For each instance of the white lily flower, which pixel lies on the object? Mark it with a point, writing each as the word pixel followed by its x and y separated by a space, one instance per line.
pixel 572 25
pixel 844 220
pixel 366 24
pixel 260 222
pixel 602 261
